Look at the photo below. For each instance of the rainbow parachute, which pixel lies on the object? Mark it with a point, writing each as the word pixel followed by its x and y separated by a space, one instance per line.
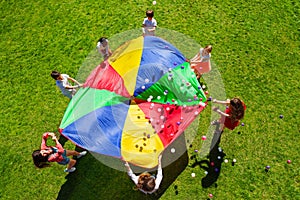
pixel 136 103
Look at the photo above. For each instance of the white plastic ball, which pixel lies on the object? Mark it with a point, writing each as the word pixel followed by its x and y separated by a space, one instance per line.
pixel 193 175
pixel 154 3
pixel 173 150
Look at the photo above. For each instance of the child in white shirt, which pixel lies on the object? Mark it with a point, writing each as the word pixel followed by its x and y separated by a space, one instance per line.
pixel 149 24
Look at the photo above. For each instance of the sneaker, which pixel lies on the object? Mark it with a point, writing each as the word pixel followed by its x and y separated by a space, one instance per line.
pixel 82 154
pixel 70 170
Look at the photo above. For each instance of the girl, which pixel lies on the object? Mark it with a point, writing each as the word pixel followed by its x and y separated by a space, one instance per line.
pixel 146 182
pixel 55 154
pixel 234 112
pixel 201 61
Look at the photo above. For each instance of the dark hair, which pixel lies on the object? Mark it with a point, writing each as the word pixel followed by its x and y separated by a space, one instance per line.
pixel 102 39
pixel 55 74
pixel 149 13
pixel 238 109
pixel 39 160
pixel 146 182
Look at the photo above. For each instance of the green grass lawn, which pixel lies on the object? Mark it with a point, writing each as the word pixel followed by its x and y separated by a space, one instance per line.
pixel 256 49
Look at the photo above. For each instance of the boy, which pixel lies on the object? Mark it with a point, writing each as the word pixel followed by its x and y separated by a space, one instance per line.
pixel 103 48
pixel 149 24
pixel 62 82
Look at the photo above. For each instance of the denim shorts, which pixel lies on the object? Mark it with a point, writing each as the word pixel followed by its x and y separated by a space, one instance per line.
pixel 66 160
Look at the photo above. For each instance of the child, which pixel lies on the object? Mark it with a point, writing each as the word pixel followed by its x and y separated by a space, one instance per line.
pixel 233 114
pixel 103 48
pixel 145 182
pixel 149 24
pixel 201 61
pixel 62 82
pixel 55 154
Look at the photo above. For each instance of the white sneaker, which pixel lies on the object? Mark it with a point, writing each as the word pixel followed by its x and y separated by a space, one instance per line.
pixel 70 170
pixel 82 154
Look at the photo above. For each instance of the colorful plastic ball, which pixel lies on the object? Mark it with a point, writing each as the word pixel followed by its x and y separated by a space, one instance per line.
pixel 196 150
pixel 203 137
pixel 216 169
pixel 225 161
pixel 146 80
pixel 206 92
pixel 234 160
pixel 154 3
pixel 289 161
pixel 210 196
pixel 143 87
pixel 280 116
pixel 193 175
pixel 182 67
pixel 209 99
pixel 178 123
pixel 242 124
pixel 219 157
pixel 268 167
pixel 212 164
pixel 173 150
pixel 206 172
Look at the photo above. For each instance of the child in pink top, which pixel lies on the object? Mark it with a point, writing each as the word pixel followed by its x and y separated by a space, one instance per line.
pixel 55 154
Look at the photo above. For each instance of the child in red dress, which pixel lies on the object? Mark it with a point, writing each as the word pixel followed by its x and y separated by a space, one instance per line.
pixel 234 112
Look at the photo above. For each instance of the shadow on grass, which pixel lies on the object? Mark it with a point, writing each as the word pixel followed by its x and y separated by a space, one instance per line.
pixel 214 163
pixel 94 180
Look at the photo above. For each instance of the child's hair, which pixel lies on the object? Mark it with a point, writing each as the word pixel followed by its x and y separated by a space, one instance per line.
pixel 55 74
pixel 146 182
pixel 102 39
pixel 39 160
pixel 150 13
pixel 209 48
pixel 237 109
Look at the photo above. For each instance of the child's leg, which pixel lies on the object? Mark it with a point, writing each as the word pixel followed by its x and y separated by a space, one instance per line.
pixel 71 163
pixel 72 153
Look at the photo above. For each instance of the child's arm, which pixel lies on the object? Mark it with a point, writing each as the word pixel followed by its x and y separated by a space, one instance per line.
pixel 130 173
pixel 72 79
pixel 221 102
pixel 44 139
pixel 159 175
pixel 216 109
pixel 58 145
pixel 75 86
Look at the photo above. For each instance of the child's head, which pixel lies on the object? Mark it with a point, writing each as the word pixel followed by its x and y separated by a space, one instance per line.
pixel 103 41
pixel 146 182
pixel 237 108
pixel 208 48
pixel 55 75
pixel 150 14
pixel 39 160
